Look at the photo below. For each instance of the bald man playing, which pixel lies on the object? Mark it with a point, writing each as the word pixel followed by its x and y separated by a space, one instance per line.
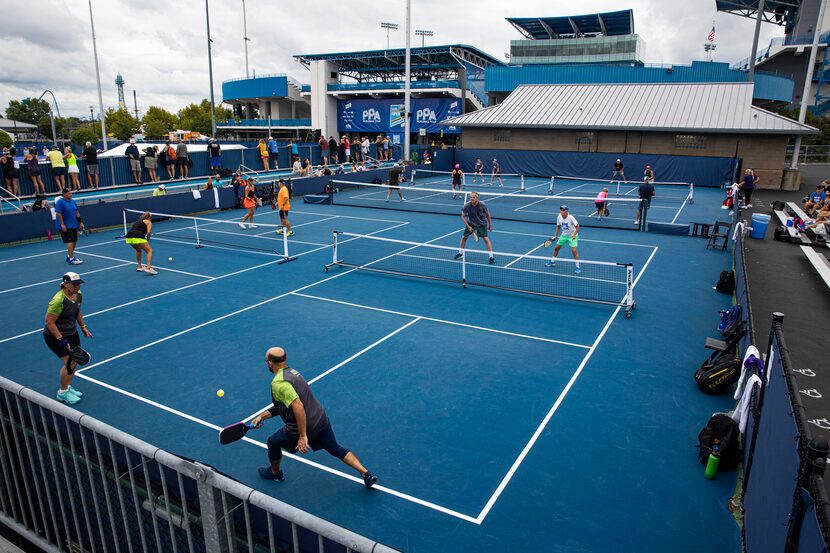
pixel 306 423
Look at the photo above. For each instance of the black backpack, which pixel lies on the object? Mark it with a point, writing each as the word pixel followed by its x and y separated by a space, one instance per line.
pixel 726 282
pixel 717 377
pixel 720 427
pixel 780 234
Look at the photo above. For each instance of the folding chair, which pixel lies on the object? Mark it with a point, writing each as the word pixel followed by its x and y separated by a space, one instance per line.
pixel 720 233
pixel 718 347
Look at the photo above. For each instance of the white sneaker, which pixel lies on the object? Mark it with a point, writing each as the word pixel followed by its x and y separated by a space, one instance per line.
pixel 636 222
pixel 242 225
pixel 150 271
pixel 140 269
pixel 252 226
pixel 75 261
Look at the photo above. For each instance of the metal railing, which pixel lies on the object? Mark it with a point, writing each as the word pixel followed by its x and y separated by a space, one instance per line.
pixel 69 482
pixel 809 153
pixel 392 85
pixel 263 76
pixel 266 123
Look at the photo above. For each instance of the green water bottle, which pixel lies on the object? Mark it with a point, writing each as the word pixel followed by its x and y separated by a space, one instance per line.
pixel 712 463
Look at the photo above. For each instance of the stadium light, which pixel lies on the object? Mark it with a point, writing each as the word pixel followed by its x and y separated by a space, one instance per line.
pixel 98 78
pixel 388 27
pixel 422 33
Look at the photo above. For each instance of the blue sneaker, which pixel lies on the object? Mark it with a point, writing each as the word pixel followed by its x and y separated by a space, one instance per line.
pixel 369 479
pixel 577 271
pixel 266 473
pixel 76 392
pixel 550 263
pixel 68 397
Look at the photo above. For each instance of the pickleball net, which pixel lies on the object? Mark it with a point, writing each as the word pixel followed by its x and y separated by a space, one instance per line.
pixel 507 205
pixel 664 192
pixel 596 281
pixel 204 232
pixel 430 178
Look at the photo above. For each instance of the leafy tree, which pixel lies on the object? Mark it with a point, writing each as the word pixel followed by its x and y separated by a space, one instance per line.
pixel 157 122
pixel 120 123
pixel 196 117
pixel 5 139
pixel 821 123
pixel 44 125
pixel 28 110
pixel 88 132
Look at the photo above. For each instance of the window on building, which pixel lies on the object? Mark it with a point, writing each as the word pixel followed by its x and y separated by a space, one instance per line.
pixel 583 141
pixel 501 135
pixel 690 141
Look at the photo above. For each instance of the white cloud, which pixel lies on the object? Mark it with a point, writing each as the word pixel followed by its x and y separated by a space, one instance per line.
pixel 160 47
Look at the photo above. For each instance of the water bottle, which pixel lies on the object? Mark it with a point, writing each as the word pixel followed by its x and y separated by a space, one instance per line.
pixel 712 463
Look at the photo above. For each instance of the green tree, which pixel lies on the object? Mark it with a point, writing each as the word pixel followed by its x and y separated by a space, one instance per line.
pixel 5 140
pixel 821 123
pixel 196 117
pixel 28 110
pixel 120 123
pixel 157 122
pixel 44 125
pixel 88 132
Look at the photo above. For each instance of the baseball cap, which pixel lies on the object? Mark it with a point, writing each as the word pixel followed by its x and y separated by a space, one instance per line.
pixel 563 207
pixel 162 187
pixel 648 166
pixel 457 166
pixel 74 278
pixel 618 160
pixel 211 140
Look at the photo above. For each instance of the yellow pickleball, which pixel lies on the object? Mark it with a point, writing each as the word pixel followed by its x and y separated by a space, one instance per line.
pixel 220 393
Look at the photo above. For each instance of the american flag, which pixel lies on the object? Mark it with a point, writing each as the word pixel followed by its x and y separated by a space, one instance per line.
pixel 712 34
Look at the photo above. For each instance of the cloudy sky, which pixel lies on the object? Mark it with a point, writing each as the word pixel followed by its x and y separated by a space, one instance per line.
pixel 159 46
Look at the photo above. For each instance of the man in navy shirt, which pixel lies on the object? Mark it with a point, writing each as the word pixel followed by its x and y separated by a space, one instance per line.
pixel 135 160
pixel 67 220
pixel 215 155
pixel 646 192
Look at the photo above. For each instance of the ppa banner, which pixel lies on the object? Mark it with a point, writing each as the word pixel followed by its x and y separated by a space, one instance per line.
pixel 387 116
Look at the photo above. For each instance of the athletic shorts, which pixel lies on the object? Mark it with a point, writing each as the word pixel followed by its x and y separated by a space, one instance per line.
pixel 58 171
pixel 92 169
pixel 567 240
pixel 132 241
pixel 647 202
pixel 600 205
pixel 70 236
pixel 54 345
pixel 181 161
pixel 135 165
pixel 283 214
pixel 481 231
pixel 33 172
pixel 215 161
pixel 325 439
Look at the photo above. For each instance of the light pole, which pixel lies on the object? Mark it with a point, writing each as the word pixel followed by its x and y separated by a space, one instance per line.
pixel 98 78
pixel 210 74
pixel 388 26
pixel 92 114
pixel 709 48
pixel 407 94
pixel 245 37
pixel 52 114
pixel 422 33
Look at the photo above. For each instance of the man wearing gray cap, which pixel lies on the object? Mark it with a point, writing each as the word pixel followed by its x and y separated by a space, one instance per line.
pixel 569 226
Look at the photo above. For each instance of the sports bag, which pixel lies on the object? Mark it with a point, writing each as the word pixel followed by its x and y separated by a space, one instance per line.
pixel 722 428
pixel 780 234
pixel 730 319
pixel 716 378
pixel 726 282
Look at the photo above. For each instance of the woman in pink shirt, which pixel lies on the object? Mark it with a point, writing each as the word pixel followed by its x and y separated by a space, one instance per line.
pixel 601 203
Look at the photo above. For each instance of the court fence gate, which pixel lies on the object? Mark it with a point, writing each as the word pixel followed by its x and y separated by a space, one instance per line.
pixel 69 482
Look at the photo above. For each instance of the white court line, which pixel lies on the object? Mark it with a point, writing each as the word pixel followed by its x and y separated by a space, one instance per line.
pixel 444 321
pixel 676 215
pixel 342 363
pixel 542 245
pixel 503 484
pixel 134 263
pixel 243 310
pixel 292 456
pixel 580 239
pixel 174 290
pixel 58 280
pixel 104 243
pixel 352 217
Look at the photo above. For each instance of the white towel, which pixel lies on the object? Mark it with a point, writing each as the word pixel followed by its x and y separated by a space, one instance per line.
pixel 751 350
pixel 741 413
pixel 196 194
pixel 216 198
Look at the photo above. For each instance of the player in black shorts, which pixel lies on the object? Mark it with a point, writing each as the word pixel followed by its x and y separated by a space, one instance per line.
pixel 395 182
pixel 457 179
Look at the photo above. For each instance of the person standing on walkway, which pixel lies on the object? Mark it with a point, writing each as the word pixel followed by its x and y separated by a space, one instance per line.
pixel 306 424
pixel 68 220
pixel 90 154
pixel 58 167
pixel 215 155
pixel 10 170
pixel 181 159
pixel 33 169
pixel 273 151
pixel 135 160
pixel 60 332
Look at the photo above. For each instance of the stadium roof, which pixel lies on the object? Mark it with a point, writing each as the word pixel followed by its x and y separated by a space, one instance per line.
pixel 392 62
pixel 775 11
pixel 703 108
pixel 595 24
pixel 11 125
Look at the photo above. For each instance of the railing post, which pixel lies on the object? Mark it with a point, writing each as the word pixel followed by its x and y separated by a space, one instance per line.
pixel 213 513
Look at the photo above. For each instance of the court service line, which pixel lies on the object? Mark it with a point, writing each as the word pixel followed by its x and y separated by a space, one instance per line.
pixel 676 215
pixel 180 288
pixel 503 484
pixel 352 217
pixel 133 263
pixel 443 321
pixel 104 243
pixel 243 310
pixel 292 456
pixel 542 245
pixel 58 280
pixel 342 363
